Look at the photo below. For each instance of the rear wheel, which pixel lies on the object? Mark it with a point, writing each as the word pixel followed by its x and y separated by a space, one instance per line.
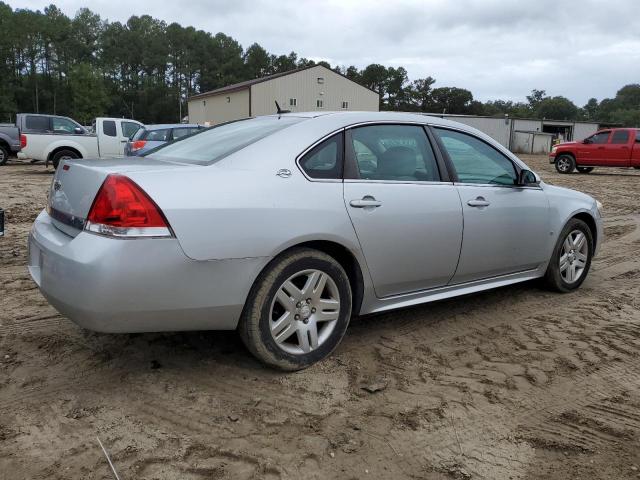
pixel 4 155
pixel 298 310
pixel 565 164
pixel 63 155
pixel 585 169
pixel 571 259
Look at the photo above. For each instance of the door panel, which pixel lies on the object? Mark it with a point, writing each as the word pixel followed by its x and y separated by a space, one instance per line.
pixel 411 240
pixel 505 225
pixel 507 233
pixel 618 150
pixel 109 138
pixel 594 152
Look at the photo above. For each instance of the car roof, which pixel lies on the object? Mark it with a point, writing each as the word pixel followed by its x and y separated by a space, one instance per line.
pixel 159 126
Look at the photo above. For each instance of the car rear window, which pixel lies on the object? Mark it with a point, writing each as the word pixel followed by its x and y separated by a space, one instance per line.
pixel 213 144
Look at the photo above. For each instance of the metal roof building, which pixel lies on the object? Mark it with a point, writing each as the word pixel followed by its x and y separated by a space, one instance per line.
pixel 301 90
pixel 526 135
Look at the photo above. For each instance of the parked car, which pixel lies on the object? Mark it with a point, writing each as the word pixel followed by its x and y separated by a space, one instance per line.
pixel 283 227
pixel 53 138
pixel 614 147
pixel 153 136
pixel 9 142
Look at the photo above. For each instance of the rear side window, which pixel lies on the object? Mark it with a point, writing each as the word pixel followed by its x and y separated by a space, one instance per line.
pixel 213 144
pixel 620 136
pixel 37 123
pixel 394 152
pixel 161 135
pixel 324 160
pixel 109 128
pixel 476 161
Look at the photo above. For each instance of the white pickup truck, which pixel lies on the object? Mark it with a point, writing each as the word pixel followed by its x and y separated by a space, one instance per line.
pixel 53 138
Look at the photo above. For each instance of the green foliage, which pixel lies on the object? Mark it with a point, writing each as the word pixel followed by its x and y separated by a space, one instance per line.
pixel 146 69
pixel 557 108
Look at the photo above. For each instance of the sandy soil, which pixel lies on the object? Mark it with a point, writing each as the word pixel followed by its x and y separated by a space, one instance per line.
pixel 509 384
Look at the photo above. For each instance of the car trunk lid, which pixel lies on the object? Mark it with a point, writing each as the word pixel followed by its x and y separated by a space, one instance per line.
pixel 76 183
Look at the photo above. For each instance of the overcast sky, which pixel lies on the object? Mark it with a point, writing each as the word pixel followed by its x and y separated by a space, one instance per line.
pixel 495 48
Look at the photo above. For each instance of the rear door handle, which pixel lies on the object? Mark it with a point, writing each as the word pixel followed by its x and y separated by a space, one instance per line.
pixel 364 202
pixel 478 202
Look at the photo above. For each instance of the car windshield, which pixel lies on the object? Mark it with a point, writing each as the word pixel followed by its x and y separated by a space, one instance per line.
pixel 213 144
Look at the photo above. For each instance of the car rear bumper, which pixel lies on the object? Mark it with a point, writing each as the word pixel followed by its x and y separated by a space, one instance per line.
pixel 142 285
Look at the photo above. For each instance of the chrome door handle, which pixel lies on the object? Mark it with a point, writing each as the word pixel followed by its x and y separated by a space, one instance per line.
pixel 365 202
pixel 478 202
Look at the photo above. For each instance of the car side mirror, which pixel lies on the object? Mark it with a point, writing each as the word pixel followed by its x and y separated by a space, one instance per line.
pixel 527 177
pixel 586 141
pixel 78 131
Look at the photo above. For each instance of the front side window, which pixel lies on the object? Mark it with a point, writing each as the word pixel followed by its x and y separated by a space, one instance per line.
pixel 129 129
pixel 620 137
pixel 325 159
pixel 212 144
pixel 599 138
pixel 394 152
pixel 63 125
pixel 109 128
pixel 476 161
pixel 637 135
pixel 37 123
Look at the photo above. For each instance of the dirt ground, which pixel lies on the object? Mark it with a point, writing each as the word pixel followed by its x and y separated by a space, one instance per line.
pixel 509 384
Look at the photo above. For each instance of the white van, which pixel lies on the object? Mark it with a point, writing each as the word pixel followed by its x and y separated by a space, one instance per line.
pixel 53 138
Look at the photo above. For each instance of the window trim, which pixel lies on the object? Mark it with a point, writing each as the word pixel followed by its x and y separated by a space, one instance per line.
pixel 352 174
pixel 340 130
pixel 454 174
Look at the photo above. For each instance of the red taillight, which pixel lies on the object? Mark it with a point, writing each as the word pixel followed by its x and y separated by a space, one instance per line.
pixel 122 209
pixel 23 141
pixel 137 145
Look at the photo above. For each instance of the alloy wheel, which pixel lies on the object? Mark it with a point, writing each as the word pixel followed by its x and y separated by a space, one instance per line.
pixel 304 312
pixel 573 256
pixel 563 164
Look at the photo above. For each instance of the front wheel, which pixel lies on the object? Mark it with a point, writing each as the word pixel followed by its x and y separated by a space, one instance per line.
pixel 571 259
pixel 565 164
pixel 297 311
pixel 585 169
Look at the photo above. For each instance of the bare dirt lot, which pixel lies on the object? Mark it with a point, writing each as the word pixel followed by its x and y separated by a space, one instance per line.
pixel 513 383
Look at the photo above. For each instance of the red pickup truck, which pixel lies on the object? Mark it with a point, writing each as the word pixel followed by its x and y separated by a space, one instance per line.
pixel 615 147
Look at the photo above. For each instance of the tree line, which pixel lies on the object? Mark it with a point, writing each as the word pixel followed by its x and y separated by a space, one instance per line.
pixel 146 69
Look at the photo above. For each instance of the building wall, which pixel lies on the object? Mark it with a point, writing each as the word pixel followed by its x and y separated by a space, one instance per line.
pixel 583 130
pixel 497 128
pixel 304 87
pixel 219 108
pixel 527 125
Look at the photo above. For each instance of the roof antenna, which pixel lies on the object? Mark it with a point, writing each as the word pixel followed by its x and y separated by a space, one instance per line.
pixel 279 110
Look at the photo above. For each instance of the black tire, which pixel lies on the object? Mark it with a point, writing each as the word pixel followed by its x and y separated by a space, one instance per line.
pixel 584 169
pixel 4 155
pixel 553 277
pixel 62 155
pixel 565 164
pixel 256 321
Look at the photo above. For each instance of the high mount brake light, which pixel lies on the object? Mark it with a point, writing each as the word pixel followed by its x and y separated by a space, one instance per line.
pixel 122 209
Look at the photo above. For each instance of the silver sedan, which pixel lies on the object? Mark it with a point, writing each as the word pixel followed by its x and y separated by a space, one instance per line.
pixel 283 227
